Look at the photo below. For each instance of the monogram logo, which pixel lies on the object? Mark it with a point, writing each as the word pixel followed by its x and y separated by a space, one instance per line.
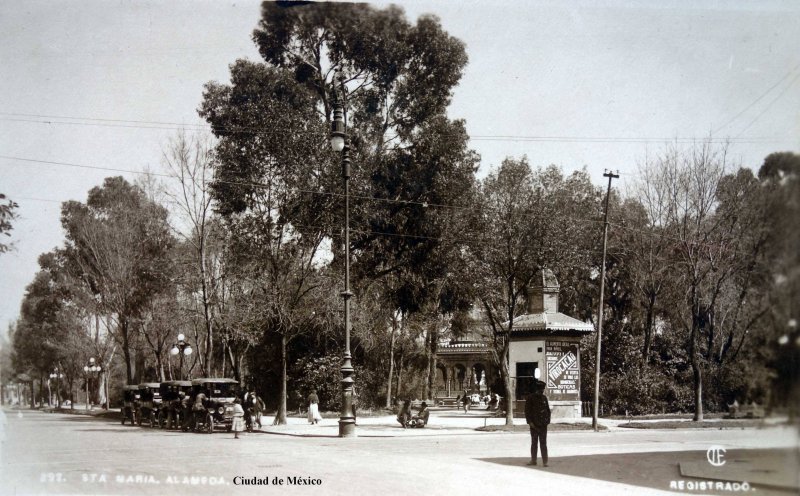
pixel 716 456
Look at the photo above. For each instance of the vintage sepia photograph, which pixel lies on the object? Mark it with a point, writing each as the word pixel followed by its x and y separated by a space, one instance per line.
pixel 399 248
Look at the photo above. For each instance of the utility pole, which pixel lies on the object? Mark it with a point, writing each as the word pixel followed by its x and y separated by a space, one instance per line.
pixel 610 176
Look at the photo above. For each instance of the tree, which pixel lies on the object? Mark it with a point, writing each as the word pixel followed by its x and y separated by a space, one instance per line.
pixel 716 229
pixel 46 336
pixel 118 247
pixel 7 214
pixel 528 220
pixel 190 162
pixel 276 176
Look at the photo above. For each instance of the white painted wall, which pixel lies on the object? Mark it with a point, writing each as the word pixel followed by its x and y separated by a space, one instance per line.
pixel 527 351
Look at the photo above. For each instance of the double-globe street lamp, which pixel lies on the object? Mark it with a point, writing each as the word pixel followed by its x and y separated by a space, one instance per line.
pixel 91 369
pixel 182 348
pixel 57 376
pixel 347 421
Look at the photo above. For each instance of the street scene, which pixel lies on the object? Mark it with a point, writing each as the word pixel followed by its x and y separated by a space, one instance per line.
pixel 62 454
pixel 423 247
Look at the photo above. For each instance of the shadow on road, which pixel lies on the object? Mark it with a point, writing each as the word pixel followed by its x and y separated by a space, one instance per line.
pixel 88 418
pixel 660 470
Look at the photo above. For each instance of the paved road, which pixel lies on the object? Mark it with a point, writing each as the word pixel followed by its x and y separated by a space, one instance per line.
pixel 71 454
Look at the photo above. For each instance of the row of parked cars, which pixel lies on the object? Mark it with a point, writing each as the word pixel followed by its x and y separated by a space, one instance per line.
pixel 162 405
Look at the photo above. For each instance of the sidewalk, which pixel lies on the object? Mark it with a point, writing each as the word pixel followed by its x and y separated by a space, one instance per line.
pixel 441 422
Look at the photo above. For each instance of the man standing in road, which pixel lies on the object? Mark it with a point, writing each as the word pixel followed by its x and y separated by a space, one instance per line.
pixel 537 415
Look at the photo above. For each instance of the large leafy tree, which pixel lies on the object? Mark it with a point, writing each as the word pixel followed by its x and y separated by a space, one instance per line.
pixel 529 219
pixel 717 231
pixel 117 248
pixel 398 80
pixel 48 333
pixel 276 181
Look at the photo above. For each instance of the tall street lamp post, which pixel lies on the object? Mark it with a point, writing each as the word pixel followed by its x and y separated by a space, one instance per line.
pixel 57 376
pixel 91 369
pixel 181 347
pixel 347 422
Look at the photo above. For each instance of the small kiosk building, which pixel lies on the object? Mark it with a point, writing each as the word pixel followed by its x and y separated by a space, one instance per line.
pixel 547 340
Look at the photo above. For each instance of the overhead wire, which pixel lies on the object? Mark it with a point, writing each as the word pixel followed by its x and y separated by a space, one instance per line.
pixel 770 104
pixel 752 103
pixel 424 204
pixel 166 125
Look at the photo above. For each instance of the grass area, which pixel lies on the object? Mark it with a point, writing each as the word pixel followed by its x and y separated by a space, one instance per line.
pixel 677 424
pixel 560 427
pixel 664 416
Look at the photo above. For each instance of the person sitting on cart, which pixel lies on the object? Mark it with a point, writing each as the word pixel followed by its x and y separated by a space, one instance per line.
pixel 421 418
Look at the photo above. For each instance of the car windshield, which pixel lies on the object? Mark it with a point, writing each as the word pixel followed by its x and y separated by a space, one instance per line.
pixel 221 390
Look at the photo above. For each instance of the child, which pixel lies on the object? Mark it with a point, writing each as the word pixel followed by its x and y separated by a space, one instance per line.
pixel 238 418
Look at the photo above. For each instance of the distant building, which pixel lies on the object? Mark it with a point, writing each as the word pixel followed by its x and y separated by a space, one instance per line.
pixel 543 339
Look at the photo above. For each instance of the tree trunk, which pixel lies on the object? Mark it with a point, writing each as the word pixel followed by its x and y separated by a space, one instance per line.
pixel 697 373
pixel 400 376
pixel 648 329
pixel 506 376
pixel 209 360
pixel 391 363
pixel 126 350
pixel 139 367
pixel 234 365
pixel 280 416
pixel 224 358
pixel 432 366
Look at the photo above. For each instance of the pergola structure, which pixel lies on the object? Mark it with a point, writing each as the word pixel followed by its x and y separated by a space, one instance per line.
pixel 463 365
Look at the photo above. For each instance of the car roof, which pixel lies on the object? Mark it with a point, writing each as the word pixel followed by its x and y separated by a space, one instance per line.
pixel 130 387
pixel 214 381
pixel 178 383
pixel 150 385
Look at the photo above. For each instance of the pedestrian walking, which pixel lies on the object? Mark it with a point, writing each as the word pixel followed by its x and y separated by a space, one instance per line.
pixel 466 401
pixel 313 408
pixel 238 418
pixel 254 408
pixel 537 415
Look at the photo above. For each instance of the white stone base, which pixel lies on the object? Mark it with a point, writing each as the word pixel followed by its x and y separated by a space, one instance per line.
pixel 565 409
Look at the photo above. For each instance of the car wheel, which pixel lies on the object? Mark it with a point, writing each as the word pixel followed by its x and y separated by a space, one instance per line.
pixel 209 423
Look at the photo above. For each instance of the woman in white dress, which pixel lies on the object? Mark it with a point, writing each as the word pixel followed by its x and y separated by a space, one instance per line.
pixel 313 408
pixel 238 418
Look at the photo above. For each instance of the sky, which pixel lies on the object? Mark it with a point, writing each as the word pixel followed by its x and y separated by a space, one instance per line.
pixel 601 85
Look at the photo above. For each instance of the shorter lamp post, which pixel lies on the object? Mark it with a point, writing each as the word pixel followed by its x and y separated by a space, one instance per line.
pixel 182 348
pixel 90 369
pixel 57 376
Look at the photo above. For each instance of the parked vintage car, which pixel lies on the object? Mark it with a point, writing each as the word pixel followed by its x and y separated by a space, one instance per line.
pixel 171 415
pixel 149 403
pixel 130 403
pixel 218 403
